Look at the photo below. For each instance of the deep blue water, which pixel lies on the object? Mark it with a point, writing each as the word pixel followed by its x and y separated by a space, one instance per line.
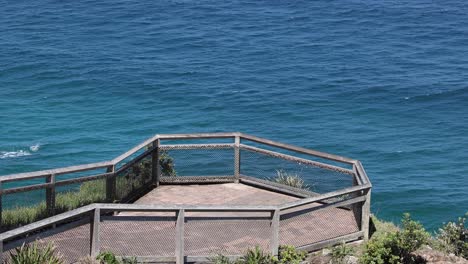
pixel 385 82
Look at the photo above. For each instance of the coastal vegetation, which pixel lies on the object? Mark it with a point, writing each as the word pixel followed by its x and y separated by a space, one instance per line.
pixel 290 179
pixel 127 183
pixel 452 238
pixel 396 247
pixel 287 255
pixel 36 253
pixel 404 244
pixel 88 192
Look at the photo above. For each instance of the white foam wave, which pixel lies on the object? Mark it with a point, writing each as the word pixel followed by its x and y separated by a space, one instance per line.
pixel 13 154
pixel 20 153
pixel 35 147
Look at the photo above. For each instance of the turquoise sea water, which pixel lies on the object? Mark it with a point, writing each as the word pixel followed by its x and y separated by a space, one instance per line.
pixel 385 82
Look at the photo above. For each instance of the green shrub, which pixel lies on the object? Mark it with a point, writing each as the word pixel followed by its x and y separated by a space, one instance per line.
pixel 167 164
pixel 257 256
pixel 287 255
pixel 379 250
pixel 411 237
pixel 396 247
pixel 452 238
pixel 290 255
pixel 108 257
pixel 36 253
pixel 293 180
pixel 338 253
pixel 88 260
pixel 220 259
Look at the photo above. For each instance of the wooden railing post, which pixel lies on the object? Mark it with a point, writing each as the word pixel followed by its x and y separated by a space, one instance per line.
pixel 156 171
pixel 275 221
pixel 50 194
pixel 111 185
pixel 1 208
pixel 366 214
pixel 1 251
pixel 94 233
pixel 180 230
pixel 237 158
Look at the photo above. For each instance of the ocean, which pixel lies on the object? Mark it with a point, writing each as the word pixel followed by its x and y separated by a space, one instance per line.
pixel 382 81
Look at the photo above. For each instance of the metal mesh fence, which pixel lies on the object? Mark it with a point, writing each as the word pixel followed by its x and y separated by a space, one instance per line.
pixel 228 235
pixel 296 154
pixel 71 241
pixel 131 181
pixel 317 179
pixel 203 161
pixel 152 234
pixel 23 208
pixel 306 225
pixel 69 197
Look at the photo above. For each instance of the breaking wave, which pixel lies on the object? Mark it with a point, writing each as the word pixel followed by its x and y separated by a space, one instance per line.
pixel 19 153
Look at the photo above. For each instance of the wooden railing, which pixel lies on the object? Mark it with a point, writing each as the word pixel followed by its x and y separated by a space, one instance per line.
pixel 151 149
pixel 94 212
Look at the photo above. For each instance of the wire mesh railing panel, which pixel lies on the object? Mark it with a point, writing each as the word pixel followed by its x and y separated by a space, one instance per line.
pixel 23 208
pixel 147 235
pixel 131 181
pixel 225 235
pixel 72 196
pixel 297 154
pixel 317 179
pixel 309 225
pixel 71 242
pixel 203 161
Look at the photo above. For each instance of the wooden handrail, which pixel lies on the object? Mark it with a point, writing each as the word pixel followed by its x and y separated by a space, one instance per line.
pixel 296 159
pixel 115 161
pixel 130 207
pixel 325 196
pixel 44 173
pixel 298 149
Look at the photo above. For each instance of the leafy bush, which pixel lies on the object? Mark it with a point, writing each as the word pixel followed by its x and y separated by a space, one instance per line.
pixel 108 257
pixel 411 237
pixel 452 238
pixel 396 247
pixel 290 255
pixel 36 253
pixel 256 256
pixel 88 260
pixel 293 180
pixel 287 255
pixel 220 259
pixel 167 164
pixel 338 253
pixel 379 250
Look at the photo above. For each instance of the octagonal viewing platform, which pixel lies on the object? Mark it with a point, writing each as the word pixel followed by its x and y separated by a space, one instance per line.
pixel 208 194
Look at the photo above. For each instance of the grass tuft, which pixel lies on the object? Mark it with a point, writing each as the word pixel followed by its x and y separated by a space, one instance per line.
pixel 290 179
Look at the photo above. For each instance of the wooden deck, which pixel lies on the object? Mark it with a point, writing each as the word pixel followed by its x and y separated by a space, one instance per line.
pixel 153 234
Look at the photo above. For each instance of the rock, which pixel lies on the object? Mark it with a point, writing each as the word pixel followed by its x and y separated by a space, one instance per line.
pixel 319 259
pixel 351 260
pixel 436 257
